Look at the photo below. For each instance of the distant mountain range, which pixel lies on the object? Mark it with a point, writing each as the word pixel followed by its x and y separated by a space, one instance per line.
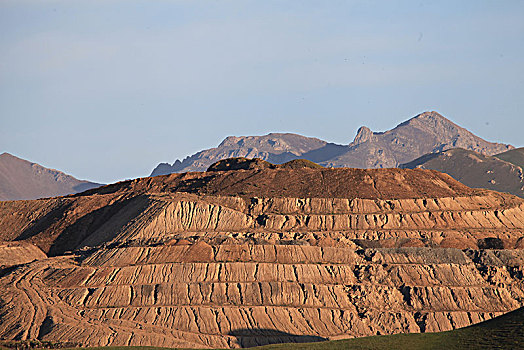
pixel 427 140
pixel 428 132
pixel 502 172
pixel 21 179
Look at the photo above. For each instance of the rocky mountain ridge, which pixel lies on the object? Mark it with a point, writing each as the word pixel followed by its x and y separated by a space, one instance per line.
pixel 428 132
pixel 21 179
pixel 250 254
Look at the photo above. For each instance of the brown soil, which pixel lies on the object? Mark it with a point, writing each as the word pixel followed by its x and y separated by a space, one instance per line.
pixel 260 180
pixel 232 258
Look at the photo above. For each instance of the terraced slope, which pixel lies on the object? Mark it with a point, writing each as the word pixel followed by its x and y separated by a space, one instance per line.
pixel 235 258
pixel 503 332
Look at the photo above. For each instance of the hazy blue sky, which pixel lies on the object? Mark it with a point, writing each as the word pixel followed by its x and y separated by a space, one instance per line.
pixel 105 90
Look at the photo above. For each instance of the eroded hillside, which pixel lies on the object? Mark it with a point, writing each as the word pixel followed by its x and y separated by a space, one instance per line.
pixel 259 254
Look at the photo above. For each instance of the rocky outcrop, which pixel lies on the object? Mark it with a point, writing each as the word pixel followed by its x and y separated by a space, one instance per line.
pixel 211 260
pixel 275 148
pixel 20 179
pixel 428 132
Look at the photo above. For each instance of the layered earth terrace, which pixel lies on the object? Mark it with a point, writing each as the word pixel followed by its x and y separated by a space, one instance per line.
pixel 252 253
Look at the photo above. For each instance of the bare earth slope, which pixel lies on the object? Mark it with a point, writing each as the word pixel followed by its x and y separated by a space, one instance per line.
pixel 20 179
pixel 267 254
pixel 427 132
pixel 475 169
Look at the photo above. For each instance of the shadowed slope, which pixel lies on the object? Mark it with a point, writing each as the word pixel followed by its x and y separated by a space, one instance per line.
pixel 475 170
pixel 514 156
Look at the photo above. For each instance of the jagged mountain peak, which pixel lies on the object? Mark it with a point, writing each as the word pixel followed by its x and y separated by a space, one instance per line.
pixel 433 122
pixel 274 147
pixel 432 116
pixel 364 134
pixel 427 132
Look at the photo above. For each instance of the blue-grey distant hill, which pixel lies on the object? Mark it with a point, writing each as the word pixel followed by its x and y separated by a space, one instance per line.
pixel 502 172
pixel 428 132
pixel 21 179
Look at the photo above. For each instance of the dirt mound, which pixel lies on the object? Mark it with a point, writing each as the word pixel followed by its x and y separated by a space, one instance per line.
pixel 300 164
pixel 299 180
pixel 240 163
pixel 234 258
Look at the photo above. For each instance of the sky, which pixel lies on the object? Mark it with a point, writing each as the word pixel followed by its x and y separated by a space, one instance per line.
pixel 105 90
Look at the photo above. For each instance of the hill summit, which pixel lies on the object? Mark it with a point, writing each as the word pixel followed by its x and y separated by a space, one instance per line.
pixel 257 163
pixel 21 179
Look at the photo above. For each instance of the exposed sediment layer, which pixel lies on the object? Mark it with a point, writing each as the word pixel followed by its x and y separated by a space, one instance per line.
pixel 187 296
pixel 185 261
